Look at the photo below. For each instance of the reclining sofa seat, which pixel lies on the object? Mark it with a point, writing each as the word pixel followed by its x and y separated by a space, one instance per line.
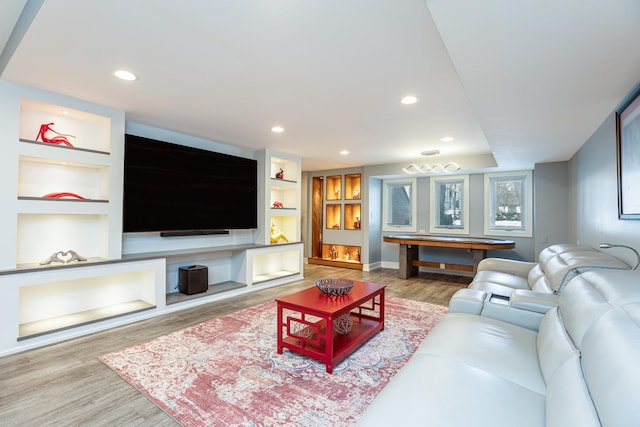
pixel 556 266
pixel 580 369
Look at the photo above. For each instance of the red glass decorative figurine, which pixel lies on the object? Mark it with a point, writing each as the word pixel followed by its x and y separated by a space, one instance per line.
pixel 59 138
pixel 62 195
pixel 280 174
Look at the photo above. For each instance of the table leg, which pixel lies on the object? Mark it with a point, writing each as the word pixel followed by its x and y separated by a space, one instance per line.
pixel 408 253
pixel 279 328
pixel 478 255
pixel 329 345
pixel 382 308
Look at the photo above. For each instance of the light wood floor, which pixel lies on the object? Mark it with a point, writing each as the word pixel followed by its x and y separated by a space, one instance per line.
pixel 65 384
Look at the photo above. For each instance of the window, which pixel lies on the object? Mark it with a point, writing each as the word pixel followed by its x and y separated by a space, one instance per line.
pixel 449 205
pixel 508 204
pixel 398 199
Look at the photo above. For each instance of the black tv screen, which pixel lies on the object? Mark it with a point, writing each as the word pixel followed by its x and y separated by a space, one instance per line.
pixel 172 188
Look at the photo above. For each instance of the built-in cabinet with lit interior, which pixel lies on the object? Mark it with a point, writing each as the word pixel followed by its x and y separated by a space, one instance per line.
pixel 281 260
pixel 60 257
pixel 336 220
pixel 65 198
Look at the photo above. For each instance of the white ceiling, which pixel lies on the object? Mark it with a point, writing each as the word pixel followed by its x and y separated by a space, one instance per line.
pixel 528 81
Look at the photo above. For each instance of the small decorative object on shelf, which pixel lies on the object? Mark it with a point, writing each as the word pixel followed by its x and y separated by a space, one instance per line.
pixel 343 324
pixel 356 255
pixel 280 174
pixel 356 223
pixel 62 195
pixel 277 204
pixel 336 226
pixel 277 235
pixel 64 257
pixel 335 287
pixel 356 193
pixel 334 252
pixel 303 330
pixel 59 138
pixel 336 192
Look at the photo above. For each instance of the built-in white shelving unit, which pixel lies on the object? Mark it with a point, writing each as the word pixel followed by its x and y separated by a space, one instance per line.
pixel 44 302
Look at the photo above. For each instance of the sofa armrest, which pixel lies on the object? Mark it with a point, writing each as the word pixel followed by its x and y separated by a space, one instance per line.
pixel 533 301
pixel 509 266
pixel 468 301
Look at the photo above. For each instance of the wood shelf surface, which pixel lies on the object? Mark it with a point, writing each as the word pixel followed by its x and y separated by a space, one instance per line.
pixel 354 265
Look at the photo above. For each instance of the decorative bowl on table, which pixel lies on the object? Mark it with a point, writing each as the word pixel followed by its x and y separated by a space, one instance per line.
pixel 335 287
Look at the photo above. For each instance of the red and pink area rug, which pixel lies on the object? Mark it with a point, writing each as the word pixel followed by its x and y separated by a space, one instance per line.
pixel 226 371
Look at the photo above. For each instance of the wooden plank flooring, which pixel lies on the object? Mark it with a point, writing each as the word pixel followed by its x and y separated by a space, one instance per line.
pixel 66 385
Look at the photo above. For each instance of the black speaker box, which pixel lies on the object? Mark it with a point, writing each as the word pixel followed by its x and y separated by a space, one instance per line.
pixel 193 279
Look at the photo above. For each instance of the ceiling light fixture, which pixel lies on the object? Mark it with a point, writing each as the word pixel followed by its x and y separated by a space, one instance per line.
pixel 435 168
pixel 125 75
pixel 344 152
pixel 430 152
pixel 277 129
pixel 447 139
pixel 409 100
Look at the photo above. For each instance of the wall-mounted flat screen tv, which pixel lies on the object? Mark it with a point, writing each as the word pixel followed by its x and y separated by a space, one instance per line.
pixel 175 188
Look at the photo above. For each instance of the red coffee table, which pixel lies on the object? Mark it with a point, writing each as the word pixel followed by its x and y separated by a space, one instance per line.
pixel 306 321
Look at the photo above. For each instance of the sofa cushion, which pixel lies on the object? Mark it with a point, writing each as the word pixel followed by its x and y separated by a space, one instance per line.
pixel 501 278
pixel 434 390
pixel 568 400
pixel 496 347
pixel 601 312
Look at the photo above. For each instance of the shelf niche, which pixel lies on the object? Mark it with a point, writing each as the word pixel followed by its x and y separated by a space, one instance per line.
pixel 287 225
pixel 288 169
pixel 352 219
pixel 56 306
pixel 344 256
pixel 333 220
pixel 38 177
pixel 352 187
pixel 40 235
pixel 91 132
pixel 334 187
pixel 268 266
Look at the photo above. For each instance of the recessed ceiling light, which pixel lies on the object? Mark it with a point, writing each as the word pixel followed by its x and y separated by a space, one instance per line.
pixel 344 152
pixel 447 139
pixel 125 75
pixel 277 129
pixel 409 99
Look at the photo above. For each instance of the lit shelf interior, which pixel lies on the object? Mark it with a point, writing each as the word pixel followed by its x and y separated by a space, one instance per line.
pixel 90 130
pixel 54 306
pixel 59 323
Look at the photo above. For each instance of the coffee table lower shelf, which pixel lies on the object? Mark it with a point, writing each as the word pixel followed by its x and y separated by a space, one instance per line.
pixel 343 344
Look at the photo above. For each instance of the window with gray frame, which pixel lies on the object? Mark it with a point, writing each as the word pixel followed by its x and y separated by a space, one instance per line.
pixel 507 207
pixel 399 205
pixel 450 204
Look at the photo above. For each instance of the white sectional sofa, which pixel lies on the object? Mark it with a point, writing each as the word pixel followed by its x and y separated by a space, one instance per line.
pixel 557 264
pixel 580 368
pixel 522 292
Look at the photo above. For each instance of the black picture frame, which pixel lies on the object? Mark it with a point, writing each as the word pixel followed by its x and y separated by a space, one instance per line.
pixel 627 118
